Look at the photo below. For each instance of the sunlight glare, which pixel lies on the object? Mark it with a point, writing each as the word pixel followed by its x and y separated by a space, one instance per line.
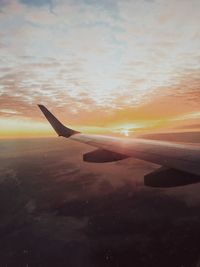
pixel 125 132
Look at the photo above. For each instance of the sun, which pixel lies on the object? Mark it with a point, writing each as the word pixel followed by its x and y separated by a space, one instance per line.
pixel 125 132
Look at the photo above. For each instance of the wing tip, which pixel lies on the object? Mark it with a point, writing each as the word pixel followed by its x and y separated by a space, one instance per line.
pixel 56 124
pixel 42 107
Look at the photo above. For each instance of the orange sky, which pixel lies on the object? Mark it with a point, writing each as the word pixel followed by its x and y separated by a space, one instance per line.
pixel 115 67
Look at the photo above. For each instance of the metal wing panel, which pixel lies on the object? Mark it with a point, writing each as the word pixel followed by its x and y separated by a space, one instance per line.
pixel 185 157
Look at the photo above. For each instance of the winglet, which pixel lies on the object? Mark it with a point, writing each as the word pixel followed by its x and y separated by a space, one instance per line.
pixel 56 124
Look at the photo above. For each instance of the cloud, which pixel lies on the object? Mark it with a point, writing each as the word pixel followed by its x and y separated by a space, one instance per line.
pixel 72 210
pixel 4 2
pixel 21 97
pixel 189 126
pixel 105 60
pixel 36 2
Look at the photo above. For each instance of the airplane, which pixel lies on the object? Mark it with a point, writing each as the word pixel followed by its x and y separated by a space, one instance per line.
pixel 180 162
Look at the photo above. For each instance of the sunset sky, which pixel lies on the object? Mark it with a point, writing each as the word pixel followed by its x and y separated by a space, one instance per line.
pixel 100 66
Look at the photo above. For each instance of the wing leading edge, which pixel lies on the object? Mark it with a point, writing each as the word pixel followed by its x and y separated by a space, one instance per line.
pixel 172 156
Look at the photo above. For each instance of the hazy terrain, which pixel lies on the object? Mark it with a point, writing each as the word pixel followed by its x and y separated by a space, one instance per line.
pixel 56 210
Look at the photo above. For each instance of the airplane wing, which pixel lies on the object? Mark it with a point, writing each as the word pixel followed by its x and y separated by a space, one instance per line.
pixel 180 162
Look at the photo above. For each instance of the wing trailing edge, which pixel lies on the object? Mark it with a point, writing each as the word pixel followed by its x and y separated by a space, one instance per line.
pixel 60 129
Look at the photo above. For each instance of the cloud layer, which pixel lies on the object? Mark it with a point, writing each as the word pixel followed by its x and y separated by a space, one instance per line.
pixel 104 58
